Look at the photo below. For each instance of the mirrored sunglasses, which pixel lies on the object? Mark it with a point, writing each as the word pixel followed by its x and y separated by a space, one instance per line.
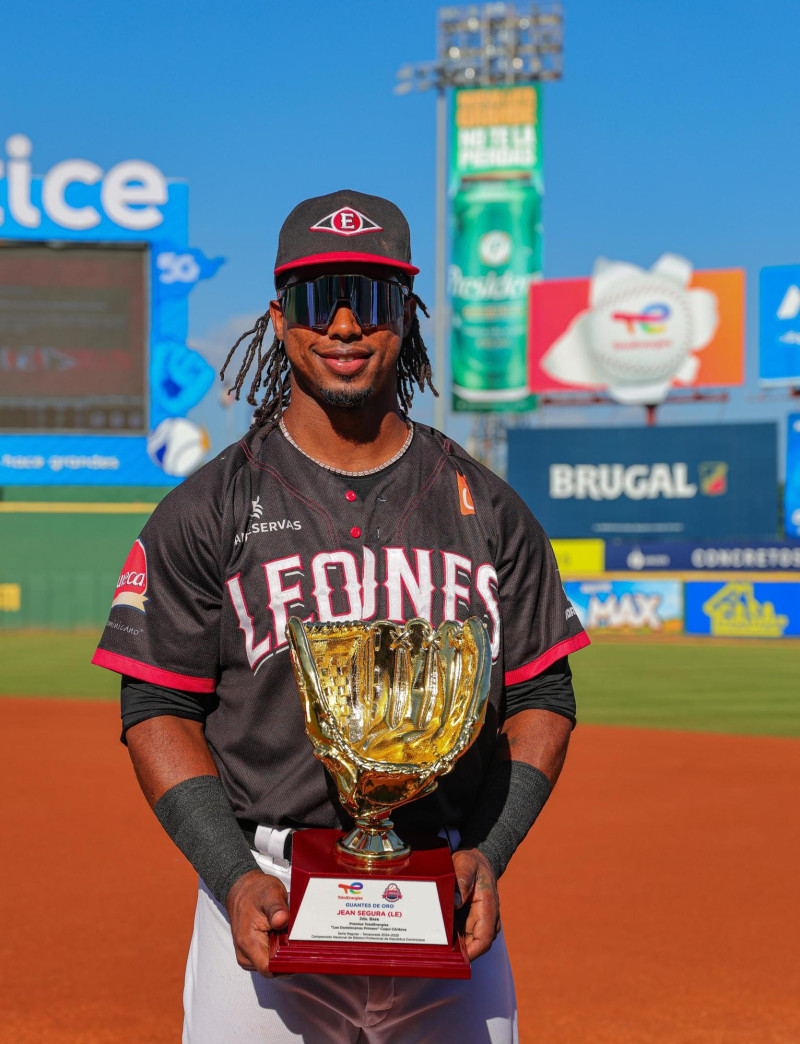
pixel 373 302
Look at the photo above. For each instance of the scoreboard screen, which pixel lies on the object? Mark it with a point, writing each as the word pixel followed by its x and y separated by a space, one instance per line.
pixel 73 338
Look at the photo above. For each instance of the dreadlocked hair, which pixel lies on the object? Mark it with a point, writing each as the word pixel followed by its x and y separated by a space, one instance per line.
pixel 273 375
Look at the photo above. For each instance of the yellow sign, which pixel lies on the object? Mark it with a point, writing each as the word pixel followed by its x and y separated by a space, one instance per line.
pixel 735 612
pixel 10 598
pixel 496 106
pixel 580 556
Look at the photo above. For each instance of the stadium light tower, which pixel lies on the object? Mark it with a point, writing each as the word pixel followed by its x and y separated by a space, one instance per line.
pixel 479 45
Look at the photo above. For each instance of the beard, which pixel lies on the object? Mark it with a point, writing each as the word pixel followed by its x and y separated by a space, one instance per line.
pixel 346 398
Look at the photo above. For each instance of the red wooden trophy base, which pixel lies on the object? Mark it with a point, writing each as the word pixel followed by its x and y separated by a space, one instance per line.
pixel 314 855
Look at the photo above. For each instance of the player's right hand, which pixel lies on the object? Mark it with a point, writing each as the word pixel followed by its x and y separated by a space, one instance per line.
pixel 257 904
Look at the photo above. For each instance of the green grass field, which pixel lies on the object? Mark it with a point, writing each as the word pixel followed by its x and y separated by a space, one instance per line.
pixel 700 685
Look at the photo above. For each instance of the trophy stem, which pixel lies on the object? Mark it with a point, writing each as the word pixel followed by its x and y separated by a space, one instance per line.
pixel 373 841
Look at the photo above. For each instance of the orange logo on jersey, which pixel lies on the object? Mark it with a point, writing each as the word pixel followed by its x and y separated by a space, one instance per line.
pixel 465 497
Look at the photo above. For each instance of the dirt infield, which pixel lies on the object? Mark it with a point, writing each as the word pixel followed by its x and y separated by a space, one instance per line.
pixel 657 900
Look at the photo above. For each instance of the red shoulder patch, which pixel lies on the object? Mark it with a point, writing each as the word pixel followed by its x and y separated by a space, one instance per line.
pixel 132 584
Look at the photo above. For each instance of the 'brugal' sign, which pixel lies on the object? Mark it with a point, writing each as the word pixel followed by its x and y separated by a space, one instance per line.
pixel 76 196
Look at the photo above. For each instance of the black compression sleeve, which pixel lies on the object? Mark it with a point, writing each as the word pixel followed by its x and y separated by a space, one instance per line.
pixel 140 700
pixel 551 690
pixel 198 817
pixel 512 796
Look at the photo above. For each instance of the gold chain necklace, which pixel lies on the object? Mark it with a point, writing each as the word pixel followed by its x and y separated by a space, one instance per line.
pixel 350 474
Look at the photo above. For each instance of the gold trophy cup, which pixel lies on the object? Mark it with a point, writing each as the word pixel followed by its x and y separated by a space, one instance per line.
pixel 389 708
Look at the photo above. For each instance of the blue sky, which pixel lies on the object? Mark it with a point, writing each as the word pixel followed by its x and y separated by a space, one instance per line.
pixel 675 128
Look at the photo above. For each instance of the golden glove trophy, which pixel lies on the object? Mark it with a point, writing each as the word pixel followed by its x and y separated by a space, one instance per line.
pixel 389 708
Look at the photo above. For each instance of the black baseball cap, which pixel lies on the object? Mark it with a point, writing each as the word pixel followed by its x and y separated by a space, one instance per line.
pixel 345 226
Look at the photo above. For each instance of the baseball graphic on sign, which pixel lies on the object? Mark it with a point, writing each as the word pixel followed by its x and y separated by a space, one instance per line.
pixel 178 446
pixel 640 332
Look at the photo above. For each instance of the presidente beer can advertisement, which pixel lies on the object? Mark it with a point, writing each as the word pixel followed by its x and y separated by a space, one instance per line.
pixel 496 189
pixel 716 482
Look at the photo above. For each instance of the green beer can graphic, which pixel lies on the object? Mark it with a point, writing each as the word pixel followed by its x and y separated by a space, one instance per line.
pixel 496 254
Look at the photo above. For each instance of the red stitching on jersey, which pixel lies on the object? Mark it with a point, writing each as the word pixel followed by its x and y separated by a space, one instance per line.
pixel 541 663
pixel 398 533
pixel 145 672
pixel 296 492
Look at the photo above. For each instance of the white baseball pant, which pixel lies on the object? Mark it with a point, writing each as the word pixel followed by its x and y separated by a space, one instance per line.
pixel 224 1003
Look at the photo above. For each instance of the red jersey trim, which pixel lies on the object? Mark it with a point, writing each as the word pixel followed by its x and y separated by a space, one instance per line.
pixel 541 663
pixel 125 665
pixel 337 257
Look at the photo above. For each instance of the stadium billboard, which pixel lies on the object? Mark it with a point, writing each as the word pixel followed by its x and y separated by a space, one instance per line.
pixel 496 188
pixel 96 377
pixel 643 606
pixel 636 334
pixel 791 492
pixel 715 482
pixel 721 558
pixel 779 325
pixel 743 609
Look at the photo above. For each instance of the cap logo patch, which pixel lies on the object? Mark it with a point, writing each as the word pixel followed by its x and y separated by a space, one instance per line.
pixel 132 584
pixel 465 497
pixel 346 222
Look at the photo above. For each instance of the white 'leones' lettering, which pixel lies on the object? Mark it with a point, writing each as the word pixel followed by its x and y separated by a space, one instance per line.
pixel 320 564
pixel 369 586
pixel 486 586
pixel 312 593
pixel 255 650
pixel 279 596
pixel 454 591
pixel 418 584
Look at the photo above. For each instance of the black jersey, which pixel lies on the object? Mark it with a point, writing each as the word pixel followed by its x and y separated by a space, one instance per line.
pixel 262 533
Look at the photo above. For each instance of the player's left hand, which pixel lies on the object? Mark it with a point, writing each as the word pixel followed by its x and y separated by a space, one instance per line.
pixel 480 903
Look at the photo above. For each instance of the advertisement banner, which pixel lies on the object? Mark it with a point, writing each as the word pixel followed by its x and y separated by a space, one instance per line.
pixel 779 325
pixel 636 334
pixel 700 482
pixel 580 556
pixel 645 606
pixel 657 557
pixel 496 189
pixel 96 377
pixel 791 492
pixel 743 609
pixel 496 132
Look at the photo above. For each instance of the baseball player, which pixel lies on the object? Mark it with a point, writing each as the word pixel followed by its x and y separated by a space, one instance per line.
pixel 334 506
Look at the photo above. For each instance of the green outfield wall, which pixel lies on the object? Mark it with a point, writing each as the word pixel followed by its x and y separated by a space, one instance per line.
pixel 61 553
